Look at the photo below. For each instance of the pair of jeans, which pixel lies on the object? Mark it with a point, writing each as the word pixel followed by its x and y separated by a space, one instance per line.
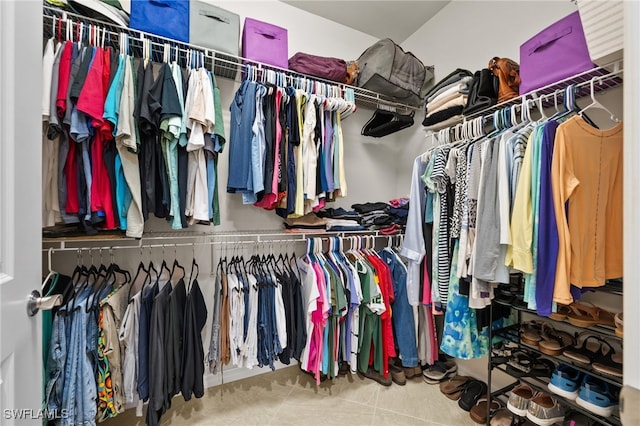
pixel 55 368
pixel 80 392
pixel 403 320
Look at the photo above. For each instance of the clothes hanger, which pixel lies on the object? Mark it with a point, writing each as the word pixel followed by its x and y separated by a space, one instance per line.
pixel 176 265
pixel 51 273
pixel 595 104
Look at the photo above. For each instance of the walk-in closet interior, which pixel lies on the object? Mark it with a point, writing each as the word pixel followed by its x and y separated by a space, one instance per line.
pixel 404 212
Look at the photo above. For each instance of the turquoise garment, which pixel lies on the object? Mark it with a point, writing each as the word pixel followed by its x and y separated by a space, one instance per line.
pixel 530 279
pixel 173 130
pixel 112 102
pixel 460 337
pixel 218 128
pixel 123 194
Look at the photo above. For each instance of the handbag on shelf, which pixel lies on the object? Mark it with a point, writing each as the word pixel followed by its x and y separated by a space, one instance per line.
pixel 508 73
pixel 383 123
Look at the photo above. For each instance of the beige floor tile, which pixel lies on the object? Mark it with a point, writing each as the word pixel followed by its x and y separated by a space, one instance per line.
pixel 290 397
pixel 350 388
pixel 417 399
pixel 307 408
pixel 386 418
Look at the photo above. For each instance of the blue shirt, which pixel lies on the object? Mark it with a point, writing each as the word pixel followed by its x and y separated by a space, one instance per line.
pixel 243 112
pixel 112 102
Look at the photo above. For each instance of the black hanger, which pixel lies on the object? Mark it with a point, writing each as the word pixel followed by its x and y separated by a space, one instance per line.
pixel 176 264
pixel 192 278
pixel 141 269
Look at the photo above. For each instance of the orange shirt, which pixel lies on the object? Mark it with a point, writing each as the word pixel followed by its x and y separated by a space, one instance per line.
pixel 586 177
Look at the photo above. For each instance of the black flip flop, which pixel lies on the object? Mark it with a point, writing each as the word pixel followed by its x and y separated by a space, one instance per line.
pixel 473 391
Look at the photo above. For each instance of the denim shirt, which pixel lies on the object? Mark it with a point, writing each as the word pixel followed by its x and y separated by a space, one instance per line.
pixel 243 112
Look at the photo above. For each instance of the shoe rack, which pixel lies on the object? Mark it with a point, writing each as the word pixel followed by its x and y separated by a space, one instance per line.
pixel 512 334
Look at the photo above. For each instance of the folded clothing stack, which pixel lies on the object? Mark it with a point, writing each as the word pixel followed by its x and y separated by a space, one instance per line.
pixel 340 220
pixel 383 217
pixel 306 223
pixel 446 100
pixel 388 218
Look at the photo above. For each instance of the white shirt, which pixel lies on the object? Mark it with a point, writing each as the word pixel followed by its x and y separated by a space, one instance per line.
pixel 249 351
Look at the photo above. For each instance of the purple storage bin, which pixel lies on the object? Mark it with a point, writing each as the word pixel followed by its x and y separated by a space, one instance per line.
pixel 557 52
pixel 266 43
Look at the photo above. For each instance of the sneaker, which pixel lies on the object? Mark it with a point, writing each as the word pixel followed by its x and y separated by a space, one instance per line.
pixel 544 410
pixel 439 371
pixel 565 381
pixel 397 375
pixel 519 398
pixel 597 396
pixel 378 377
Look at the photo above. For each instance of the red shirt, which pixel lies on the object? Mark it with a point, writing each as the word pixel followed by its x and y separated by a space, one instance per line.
pixel 386 288
pixel 64 74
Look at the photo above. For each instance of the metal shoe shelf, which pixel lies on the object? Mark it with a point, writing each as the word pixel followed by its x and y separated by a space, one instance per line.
pixel 511 333
pixel 224 65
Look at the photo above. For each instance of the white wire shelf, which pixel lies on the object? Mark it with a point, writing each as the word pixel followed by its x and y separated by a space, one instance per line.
pixel 223 64
pixel 606 77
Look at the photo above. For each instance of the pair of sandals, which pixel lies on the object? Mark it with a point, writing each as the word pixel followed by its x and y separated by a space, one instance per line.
pixel 528 364
pixel 543 336
pixel 593 350
pixel 585 314
pixel 466 390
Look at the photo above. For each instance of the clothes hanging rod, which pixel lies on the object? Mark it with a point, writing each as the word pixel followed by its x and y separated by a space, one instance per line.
pixel 174 236
pixel 299 238
pixel 223 64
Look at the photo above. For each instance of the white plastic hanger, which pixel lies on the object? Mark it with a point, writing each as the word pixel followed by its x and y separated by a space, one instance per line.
pixel 596 104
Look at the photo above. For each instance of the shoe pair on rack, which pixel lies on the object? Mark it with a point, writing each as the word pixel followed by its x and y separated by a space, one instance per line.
pixel 538 407
pixel 543 336
pixel 525 363
pixel 600 354
pixel 588 391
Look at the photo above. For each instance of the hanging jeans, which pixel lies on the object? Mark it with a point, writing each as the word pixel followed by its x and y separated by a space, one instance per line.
pixel 54 373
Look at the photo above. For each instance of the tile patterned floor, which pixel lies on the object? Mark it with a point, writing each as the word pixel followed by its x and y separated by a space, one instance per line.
pixel 290 397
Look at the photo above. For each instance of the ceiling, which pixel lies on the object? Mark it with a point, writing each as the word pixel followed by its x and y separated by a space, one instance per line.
pixel 394 19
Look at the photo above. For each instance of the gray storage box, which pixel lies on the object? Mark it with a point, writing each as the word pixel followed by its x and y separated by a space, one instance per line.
pixel 217 29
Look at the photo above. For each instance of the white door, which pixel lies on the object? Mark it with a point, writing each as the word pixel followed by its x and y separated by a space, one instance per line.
pixel 20 212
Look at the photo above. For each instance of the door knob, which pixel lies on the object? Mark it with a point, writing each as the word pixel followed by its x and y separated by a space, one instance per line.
pixel 36 302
